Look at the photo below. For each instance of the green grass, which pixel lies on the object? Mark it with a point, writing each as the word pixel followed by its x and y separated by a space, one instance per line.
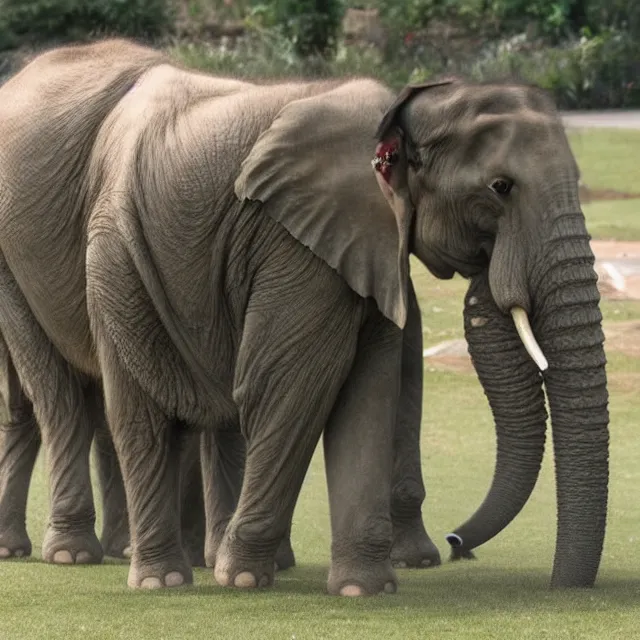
pixel 613 219
pixel 504 594
pixel 608 158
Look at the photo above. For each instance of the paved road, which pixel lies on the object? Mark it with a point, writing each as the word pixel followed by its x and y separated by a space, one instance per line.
pixel 603 119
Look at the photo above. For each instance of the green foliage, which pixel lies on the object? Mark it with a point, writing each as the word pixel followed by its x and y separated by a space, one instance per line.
pixel 36 20
pixel 310 25
pixel 597 72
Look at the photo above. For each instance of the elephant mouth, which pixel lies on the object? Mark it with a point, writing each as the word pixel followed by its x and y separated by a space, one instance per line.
pixel 474 262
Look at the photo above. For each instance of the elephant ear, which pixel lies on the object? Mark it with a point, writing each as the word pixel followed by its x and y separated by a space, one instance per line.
pixel 394 152
pixel 312 171
pixel 391 115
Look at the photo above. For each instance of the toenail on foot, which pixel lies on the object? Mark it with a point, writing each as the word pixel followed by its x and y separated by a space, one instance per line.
pixel 151 583
pixel 400 564
pixel 245 579
pixel 390 587
pixel 426 563
pixel 4 552
pixel 351 591
pixel 174 579
pixel 83 557
pixel 63 557
pixel 126 552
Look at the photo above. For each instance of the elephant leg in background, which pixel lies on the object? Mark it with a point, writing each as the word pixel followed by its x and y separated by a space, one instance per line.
pixel 412 546
pixel 115 518
pixel 358 445
pixel 59 400
pixel 19 446
pixel 192 510
pixel 223 460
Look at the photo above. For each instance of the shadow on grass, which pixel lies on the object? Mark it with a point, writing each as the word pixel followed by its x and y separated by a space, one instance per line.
pixel 451 589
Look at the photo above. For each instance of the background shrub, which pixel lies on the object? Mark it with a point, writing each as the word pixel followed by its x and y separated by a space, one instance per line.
pixel 29 21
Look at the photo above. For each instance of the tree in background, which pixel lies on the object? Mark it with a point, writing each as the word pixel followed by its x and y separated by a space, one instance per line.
pixel 31 21
pixel 311 25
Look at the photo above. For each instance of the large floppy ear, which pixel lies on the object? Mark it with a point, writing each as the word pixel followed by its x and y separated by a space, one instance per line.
pixel 392 114
pixel 312 171
pixel 394 152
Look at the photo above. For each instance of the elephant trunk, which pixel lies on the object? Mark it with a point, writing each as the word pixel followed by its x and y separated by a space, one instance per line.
pixel 513 386
pixel 568 326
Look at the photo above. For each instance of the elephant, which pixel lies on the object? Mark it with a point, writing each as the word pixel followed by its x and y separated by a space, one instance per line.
pixel 228 254
pixel 224 452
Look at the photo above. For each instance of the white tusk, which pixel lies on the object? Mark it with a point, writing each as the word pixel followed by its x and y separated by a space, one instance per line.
pixel 523 327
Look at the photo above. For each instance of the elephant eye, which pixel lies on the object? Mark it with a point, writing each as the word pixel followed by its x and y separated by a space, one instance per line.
pixel 502 186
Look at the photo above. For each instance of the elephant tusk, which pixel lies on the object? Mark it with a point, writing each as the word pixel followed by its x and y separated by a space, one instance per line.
pixel 523 327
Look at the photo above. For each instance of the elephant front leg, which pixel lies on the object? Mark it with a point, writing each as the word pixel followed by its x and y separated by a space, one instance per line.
pixel 19 446
pixel 290 367
pixel 358 446
pixel 412 546
pixel 223 461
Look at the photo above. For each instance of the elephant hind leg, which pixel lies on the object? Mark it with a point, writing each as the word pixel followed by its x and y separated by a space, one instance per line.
pixel 148 444
pixel 19 446
pixel 56 392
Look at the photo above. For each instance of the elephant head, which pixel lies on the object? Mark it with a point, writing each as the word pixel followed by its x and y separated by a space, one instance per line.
pixel 487 178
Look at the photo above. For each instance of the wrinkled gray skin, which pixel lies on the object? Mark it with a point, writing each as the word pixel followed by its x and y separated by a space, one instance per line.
pixel 229 281
pixel 70 536
pixel 20 443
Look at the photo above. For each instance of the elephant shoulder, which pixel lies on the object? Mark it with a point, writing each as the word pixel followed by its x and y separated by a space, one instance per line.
pixel 312 171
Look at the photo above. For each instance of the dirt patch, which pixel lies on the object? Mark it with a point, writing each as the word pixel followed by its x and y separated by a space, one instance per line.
pixel 623 337
pixel 588 195
pixel 623 381
pixel 618 268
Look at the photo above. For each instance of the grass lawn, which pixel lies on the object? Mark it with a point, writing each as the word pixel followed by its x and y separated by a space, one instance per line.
pixel 504 594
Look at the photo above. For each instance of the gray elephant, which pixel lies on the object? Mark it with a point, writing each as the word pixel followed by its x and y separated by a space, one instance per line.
pixel 222 256
pixel 70 537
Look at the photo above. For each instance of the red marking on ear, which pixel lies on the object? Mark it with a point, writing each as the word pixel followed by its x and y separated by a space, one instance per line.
pixel 386 156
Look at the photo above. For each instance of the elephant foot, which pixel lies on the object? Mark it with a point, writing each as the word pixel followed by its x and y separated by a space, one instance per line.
pixel 174 571
pixel 14 544
pixel 412 547
pixel 115 542
pixel 241 568
pixel 458 551
pixel 285 558
pixel 65 547
pixel 362 580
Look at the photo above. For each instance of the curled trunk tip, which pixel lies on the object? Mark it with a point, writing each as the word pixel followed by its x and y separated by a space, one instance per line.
pixel 454 540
